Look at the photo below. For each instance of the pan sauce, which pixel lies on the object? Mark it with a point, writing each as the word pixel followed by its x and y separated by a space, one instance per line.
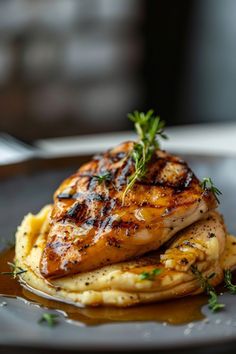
pixel 172 312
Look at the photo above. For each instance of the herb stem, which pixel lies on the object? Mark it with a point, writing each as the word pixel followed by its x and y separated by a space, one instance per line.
pixel 15 270
pixel 148 127
pixel 213 302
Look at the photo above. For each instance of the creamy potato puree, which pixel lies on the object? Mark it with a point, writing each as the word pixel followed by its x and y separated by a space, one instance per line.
pixel 118 284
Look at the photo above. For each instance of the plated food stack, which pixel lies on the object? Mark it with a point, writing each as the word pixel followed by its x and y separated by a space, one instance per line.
pixel 131 226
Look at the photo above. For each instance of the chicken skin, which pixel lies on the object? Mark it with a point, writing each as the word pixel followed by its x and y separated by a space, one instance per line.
pixel 92 226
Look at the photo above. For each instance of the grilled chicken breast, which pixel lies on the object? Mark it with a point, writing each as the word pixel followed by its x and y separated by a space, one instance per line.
pixel 203 245
pixel 91 226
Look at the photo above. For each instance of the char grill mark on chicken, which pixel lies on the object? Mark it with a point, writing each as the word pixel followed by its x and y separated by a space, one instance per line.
pixel 90 227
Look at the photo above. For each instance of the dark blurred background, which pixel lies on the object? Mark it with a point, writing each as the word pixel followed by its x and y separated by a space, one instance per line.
pixel 70 67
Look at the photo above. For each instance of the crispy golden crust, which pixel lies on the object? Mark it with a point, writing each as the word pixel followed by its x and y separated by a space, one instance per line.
pixel 91 228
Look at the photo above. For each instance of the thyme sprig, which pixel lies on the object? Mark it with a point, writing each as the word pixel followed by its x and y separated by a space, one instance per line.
pixel 15 270
pixel 103 177
pixel 150 275
pixel 213 302
pixel 208 184
pixel 148 127
pixel 49 318
pixel 228 282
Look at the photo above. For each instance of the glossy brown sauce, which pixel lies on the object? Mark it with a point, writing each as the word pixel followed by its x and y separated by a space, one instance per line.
pixel 174 312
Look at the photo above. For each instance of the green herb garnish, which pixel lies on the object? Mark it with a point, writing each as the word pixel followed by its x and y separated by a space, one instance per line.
pixel 213 302
pixel 103 177
pixel 228 282
pixel 148 127
pixel 208 184
pixel 150 275
pixel 15 270
pixel 49 318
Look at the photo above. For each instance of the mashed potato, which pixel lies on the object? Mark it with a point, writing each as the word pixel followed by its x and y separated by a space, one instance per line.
pixel 121 284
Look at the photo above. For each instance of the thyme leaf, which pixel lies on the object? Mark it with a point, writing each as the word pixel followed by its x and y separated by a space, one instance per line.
pixel 49 318
pixel 148 127
pixel 228 282
pixel 208 184
pixel 15 270
pixel 150 275
pixel 213 302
